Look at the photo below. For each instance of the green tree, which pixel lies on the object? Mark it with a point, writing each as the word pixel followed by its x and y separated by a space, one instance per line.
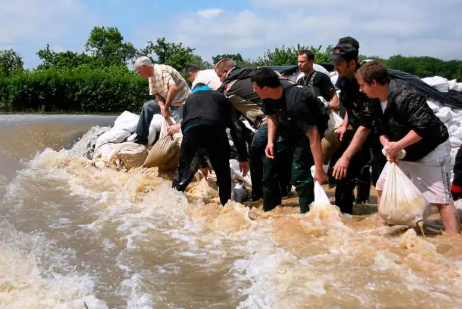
pixel 175 55
pixel 10 63
pixel 67 59
pixel 289 55
pixel 108 48
pixel 236 57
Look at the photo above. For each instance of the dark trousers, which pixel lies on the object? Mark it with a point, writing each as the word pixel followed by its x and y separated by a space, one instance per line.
pixel 357 175
pixel 149 109
pixel 214 141
pixel 293 160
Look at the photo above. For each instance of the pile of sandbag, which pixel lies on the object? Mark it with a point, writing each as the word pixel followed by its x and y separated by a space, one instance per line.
pixel 115 147
pixel 451 117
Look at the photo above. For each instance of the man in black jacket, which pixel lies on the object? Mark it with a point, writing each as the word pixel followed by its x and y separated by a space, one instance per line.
pixel 297 120
pixel 236 85
pixel 206 115
pixel 404 121
pixel 352 160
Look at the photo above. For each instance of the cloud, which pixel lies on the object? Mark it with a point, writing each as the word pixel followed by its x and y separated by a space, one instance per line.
pixel 249 27
pixel 31 24
pixel 209 13
pixel 383 28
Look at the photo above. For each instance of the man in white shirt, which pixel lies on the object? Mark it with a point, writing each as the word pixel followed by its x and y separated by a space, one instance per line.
pixel 198 76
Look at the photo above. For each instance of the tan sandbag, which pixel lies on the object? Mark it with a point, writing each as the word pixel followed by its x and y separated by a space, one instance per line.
pixel 164 150
pixel 125 155
pixel 328 148
pixel 329 143
pixel 133 156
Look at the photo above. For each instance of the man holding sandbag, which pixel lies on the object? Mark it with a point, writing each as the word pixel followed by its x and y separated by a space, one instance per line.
pixel 404 121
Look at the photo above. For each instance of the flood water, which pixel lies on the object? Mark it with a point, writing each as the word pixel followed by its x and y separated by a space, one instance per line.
pixel 73 235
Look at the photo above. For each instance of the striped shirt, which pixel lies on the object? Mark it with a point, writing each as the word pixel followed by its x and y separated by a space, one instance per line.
pixel 164 77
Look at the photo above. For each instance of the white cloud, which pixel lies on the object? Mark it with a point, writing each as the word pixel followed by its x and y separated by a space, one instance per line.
pixel 383 28
pixel 29 25
pixel 209 13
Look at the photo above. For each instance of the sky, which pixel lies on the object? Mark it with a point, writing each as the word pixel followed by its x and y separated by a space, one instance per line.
pixel 250 27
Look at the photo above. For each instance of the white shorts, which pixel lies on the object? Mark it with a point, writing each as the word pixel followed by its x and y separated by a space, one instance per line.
pixel 431 174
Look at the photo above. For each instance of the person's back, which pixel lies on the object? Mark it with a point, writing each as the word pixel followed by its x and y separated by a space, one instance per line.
pixel 206 107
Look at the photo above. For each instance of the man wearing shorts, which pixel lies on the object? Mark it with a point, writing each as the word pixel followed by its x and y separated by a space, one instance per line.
pixel 403 120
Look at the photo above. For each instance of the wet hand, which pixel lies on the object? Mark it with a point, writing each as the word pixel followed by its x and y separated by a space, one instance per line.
pixel 176 128
pixel 320 176
pixel 269 150
pixel 341 167
pixel 392 150
pixel 244 168
pixel 206 171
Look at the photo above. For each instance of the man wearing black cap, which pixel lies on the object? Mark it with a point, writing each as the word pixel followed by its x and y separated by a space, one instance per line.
pixel 353 157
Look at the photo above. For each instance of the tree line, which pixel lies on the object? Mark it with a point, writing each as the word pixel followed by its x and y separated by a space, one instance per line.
pixel 100 80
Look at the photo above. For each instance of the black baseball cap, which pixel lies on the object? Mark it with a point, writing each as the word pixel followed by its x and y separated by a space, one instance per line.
pixel 343 52
pixel 349 40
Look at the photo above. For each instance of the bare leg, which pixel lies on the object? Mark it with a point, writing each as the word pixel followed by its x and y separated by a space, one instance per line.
pixel 449 217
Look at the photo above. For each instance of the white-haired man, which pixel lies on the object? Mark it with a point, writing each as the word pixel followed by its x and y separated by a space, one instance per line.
pixel 170 89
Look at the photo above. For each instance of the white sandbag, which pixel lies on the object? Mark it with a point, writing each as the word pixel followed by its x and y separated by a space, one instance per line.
pixel 434 106
pixel 455 142
pixel 401 202
pixel 234 165
pixel 333 77
pixel 320 196
pixel 437 82
pixel 458 133
pixel 444 114
pixel 459 87
pixel 453 129
pixel 131 138
pixel 112 136
pixel 452 85
pixel 127 121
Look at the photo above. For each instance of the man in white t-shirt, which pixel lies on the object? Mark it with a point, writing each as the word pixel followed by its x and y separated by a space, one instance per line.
pixel 404 121
pixel 198 76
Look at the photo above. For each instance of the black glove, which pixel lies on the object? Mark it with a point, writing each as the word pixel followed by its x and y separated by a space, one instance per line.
pixel 456 192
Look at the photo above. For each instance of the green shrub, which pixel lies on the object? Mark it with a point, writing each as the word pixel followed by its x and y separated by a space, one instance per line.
pixel 74 90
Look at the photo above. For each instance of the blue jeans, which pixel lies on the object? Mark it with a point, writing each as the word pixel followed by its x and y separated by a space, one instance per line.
pixel 256 155
pixel 151 108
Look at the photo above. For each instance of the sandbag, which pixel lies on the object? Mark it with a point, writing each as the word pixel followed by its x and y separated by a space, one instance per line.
pixel 444 114
pixel 121 155
pixel 112 136
pixel 127 121
pixel 439 83
pixel 401 202
pixel 329 144
pixel 164 150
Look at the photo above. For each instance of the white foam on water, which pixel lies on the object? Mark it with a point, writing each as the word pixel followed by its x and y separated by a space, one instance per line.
pixel 28 280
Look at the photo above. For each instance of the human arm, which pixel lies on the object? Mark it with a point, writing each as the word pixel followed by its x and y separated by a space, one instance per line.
pixel 315 147
pixel 341 167
pixel 272 131
pixel 340 132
